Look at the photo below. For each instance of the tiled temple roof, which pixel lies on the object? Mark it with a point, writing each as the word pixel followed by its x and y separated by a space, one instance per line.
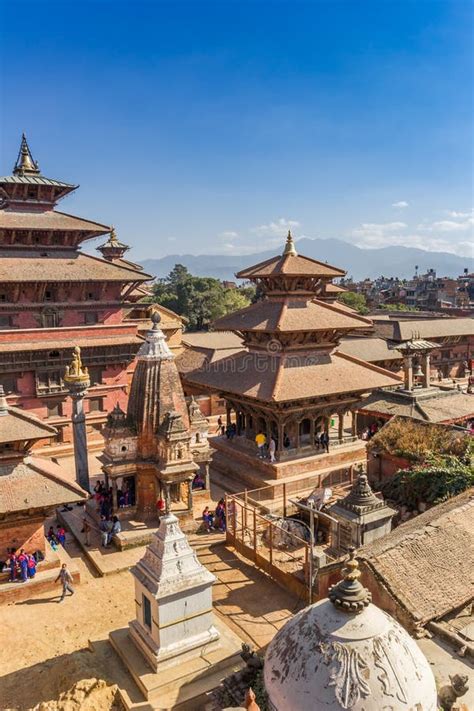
pixel 291 314
pixel 442 407
pixel 62 266
pixel 369 349
pixel 17 425
pixel 48 220
pixel 427 563
pixel 35 483
pixel 290 265
pixel 291 376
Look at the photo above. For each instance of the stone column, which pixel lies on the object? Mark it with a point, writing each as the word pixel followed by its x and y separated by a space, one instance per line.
pixel 77 382
pixel 207 477
pixel 426 370
pixel 408 363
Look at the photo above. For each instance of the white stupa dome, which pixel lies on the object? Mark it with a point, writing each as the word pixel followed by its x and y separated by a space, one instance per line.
pixel 346 653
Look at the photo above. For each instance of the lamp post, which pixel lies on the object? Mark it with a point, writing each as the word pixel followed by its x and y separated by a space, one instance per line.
pixel 77 382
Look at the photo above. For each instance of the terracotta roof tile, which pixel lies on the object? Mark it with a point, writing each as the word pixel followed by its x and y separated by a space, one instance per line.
pixel 290 265
pixel 291 377
pixel 19 425
pixel 83 341
pixel 369 349
pixel 35 484
pixel 442 408
pixel 428 563
pixel 48 220
pixel 291 314
pixel 61 266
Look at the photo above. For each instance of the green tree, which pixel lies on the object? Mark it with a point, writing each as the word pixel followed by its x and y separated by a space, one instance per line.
pixel 436 480
pixel 355 301
pixel 200 300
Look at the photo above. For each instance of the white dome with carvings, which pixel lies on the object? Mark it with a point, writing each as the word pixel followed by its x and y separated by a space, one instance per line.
pixel 346 653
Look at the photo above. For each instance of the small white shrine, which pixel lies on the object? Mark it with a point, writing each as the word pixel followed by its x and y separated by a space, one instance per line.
pixel 175 651
pixel 173 600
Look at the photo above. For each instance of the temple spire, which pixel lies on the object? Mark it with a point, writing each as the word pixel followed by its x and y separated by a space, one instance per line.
pixel 25 165
pixel 290 246
pixel 349 594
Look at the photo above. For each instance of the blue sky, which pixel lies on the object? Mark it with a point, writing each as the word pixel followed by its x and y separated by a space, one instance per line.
pixel 213 126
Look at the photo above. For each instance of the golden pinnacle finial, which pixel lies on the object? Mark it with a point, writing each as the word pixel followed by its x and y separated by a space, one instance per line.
pixel 290 246
pixel 349 595
pixel 113 235
pixel 76 372
pixel 25 163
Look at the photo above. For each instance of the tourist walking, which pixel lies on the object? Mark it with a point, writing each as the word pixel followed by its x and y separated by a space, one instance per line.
pixel 86 530
pixel 260 441
pixel 66 579
pixel 219 425
pixel 272 449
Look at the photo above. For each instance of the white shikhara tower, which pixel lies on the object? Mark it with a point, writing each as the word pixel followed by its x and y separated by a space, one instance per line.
pixel 173 598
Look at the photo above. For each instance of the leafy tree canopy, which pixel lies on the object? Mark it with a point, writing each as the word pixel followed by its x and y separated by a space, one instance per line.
pixel 436 480
pixel 397 307
pixel 354 301
pixel 200 300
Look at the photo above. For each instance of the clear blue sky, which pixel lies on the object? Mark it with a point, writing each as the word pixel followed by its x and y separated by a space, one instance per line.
pixel 210 126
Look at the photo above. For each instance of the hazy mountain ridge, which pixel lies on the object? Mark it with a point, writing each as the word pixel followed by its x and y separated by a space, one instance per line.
pixel 359 263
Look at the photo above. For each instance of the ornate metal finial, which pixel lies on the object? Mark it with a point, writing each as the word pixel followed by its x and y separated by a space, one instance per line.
pixel 3 402
pixel 25 163
pixel 349 594
pixel 290 246
pixel 361 498
pixel 155 319
pixel 76 372
pixel 113 237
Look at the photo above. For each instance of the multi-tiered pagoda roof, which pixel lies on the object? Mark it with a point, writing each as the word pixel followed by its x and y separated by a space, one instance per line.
pixel 291 337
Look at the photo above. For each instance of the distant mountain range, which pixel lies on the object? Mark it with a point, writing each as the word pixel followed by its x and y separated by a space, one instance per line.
pixel 359 263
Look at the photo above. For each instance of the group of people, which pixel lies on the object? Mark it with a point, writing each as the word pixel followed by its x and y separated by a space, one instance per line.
pixel 56 537
pixel 22 565
pixel 104 498
pixel 108 529
pixel 370 431
pixel 215 520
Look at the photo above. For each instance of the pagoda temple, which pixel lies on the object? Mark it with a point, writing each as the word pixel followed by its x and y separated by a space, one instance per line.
pixel 54 297
pixel 289 381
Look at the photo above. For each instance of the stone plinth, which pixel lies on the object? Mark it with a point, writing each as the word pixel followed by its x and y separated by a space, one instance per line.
pixel 173 598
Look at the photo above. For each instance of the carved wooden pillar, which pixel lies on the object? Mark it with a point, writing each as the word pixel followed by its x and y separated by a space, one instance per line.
pixel 311 431
pixel 227 414
pixel 340 432
pixel 354 423
pixel 281 436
